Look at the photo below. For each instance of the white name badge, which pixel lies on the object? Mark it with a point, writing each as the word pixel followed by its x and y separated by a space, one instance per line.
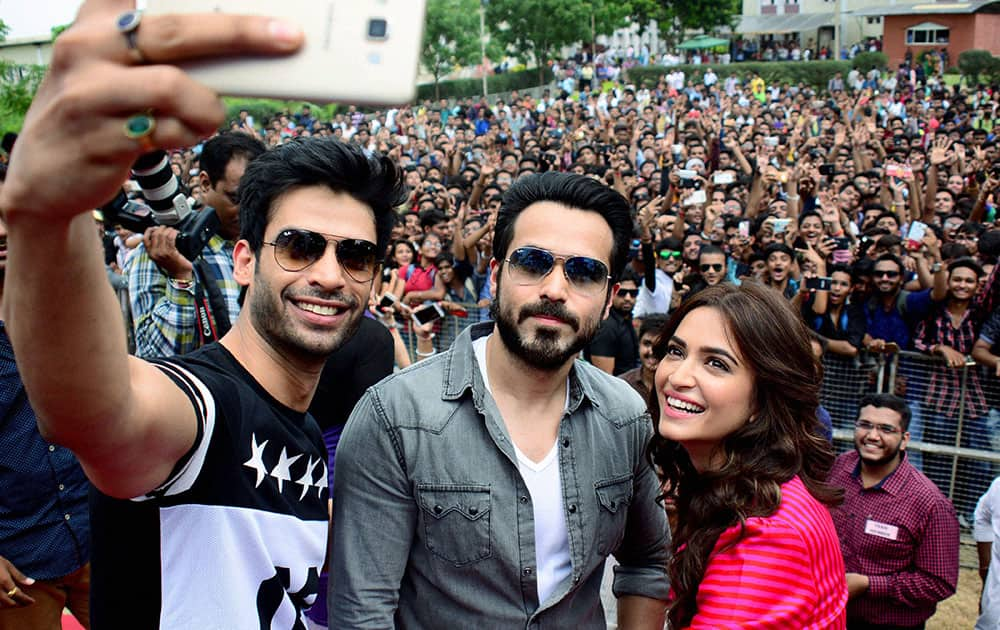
pixel 882 530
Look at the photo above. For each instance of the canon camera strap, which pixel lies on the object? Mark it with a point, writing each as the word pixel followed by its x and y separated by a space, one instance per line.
pixel 211 311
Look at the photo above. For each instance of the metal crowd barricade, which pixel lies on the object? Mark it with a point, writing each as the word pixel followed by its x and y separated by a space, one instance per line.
pixel 845 381
pixel 955 428
pixel 447 329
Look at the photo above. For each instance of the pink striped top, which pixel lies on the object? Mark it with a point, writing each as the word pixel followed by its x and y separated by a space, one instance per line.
pixel 787 572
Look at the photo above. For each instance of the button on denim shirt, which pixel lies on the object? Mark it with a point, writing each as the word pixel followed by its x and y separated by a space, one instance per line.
pixel 433 526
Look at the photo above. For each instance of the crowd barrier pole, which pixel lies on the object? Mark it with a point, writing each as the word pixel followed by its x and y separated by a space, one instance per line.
pixel 955 426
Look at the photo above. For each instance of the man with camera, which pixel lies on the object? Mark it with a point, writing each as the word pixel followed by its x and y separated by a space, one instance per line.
pixel 179 305
pixel 212 508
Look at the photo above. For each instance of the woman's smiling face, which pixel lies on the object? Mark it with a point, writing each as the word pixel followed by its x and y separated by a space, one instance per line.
pixel 704 386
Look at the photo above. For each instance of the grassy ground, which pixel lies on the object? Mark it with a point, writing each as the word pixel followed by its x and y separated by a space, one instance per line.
pixel 959 611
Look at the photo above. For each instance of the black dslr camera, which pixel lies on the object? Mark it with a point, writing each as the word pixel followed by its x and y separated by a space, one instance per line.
pixel 167 205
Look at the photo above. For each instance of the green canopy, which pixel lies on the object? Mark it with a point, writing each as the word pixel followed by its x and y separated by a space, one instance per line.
pixel 703 41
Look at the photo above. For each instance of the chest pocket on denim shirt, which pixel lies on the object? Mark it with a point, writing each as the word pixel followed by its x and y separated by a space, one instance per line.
pixel 456 521
pixel 614 496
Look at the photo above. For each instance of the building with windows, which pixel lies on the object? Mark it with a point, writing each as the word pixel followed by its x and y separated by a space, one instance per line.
pixel 810 22
pixel 952 26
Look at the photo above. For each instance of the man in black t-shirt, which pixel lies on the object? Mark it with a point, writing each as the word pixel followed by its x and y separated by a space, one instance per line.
pixel 212 502
pixel 615 348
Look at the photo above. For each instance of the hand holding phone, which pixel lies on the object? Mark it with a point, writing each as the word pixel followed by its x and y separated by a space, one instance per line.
pixel 915 236
pixel 357 51
pixel 427 313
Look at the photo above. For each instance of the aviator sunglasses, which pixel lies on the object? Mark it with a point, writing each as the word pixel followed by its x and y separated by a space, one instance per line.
pixel 297 249
pixel 529 265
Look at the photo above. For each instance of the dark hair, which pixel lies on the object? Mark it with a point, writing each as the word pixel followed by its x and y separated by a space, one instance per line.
pixel 989 243
pixel 220 150
pixel 653 323
pixel 809 213
pixel 888 401
pixel 839 268
pixel 371 179
pixel 574 191
pixel 893 259
pixel 669 243
pixel 952 250
pixel 783 440
pixel 710 249
pixel 628 275
pixel 390 257
pixel 968 263
pixel 778 248
pixel 432 217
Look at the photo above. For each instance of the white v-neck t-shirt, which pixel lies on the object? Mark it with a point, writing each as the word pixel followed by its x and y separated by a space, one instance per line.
pixel 544 483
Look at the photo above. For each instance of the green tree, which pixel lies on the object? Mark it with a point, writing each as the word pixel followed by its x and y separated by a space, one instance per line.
pixel 57 30
pixel 538 29
pixel 4 29
pixel 451 37
pixel 975 63
pixel 677 16
pixel 19 86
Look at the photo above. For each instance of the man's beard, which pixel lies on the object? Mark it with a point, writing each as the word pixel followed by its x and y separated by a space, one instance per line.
pixel 546 351
pixel 274 324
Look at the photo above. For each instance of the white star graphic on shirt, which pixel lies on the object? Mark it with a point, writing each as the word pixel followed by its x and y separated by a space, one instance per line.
pixel 306 480
pixel 322 482
pixel 280 470
pixel 256 460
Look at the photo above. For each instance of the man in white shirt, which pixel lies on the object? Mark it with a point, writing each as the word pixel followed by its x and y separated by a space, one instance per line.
pixel 986 531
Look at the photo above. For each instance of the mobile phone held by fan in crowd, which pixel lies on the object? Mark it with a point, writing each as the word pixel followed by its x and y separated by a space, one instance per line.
pixel 355 51
pixel 819 284
pixel 387 301
pixel 427 314
pixel 915 236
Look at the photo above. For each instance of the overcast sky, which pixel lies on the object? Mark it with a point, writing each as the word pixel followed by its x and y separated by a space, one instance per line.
pixel 30 18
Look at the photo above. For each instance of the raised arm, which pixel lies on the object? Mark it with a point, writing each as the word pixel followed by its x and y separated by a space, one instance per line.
pixel 125 419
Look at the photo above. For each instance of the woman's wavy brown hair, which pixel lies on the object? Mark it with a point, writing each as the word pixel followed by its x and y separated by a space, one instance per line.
pixel 784 439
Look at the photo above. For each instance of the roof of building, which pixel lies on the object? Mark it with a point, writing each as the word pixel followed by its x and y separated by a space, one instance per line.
pixel 928 8
pixel 786 23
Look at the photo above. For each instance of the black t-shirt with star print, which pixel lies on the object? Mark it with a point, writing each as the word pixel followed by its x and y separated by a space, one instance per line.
pixel 237 536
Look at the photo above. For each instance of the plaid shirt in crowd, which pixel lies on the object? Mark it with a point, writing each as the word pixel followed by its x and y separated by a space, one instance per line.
pixel 164 314
pixel 902 534
pixel 946 382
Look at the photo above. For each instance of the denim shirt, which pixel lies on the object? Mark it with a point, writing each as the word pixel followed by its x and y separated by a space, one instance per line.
pixel 44 517
pixel 433 526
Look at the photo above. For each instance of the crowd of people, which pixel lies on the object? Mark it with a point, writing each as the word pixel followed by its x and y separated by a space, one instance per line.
pixel 706 242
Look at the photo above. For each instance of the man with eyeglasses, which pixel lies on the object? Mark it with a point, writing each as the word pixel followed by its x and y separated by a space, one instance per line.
pixel 615 348
pixel 899 534
pixel 506 470
pixel 211 507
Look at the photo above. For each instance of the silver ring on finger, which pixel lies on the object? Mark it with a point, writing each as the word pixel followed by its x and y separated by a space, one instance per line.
pixel 128 25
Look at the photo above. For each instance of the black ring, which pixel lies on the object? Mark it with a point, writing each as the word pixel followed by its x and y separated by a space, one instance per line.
pixel 128 25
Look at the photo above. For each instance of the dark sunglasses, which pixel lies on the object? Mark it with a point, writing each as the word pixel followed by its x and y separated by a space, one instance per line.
pixel 886 273
pixel 296 249
pixel 628 292
pixel 712 266
pixel 528 265
pixel 667 254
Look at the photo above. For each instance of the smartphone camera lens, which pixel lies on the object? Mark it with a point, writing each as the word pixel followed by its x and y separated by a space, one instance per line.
pixel 378 28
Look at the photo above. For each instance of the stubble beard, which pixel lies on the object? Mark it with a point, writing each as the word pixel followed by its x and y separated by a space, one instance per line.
pixel 268 317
